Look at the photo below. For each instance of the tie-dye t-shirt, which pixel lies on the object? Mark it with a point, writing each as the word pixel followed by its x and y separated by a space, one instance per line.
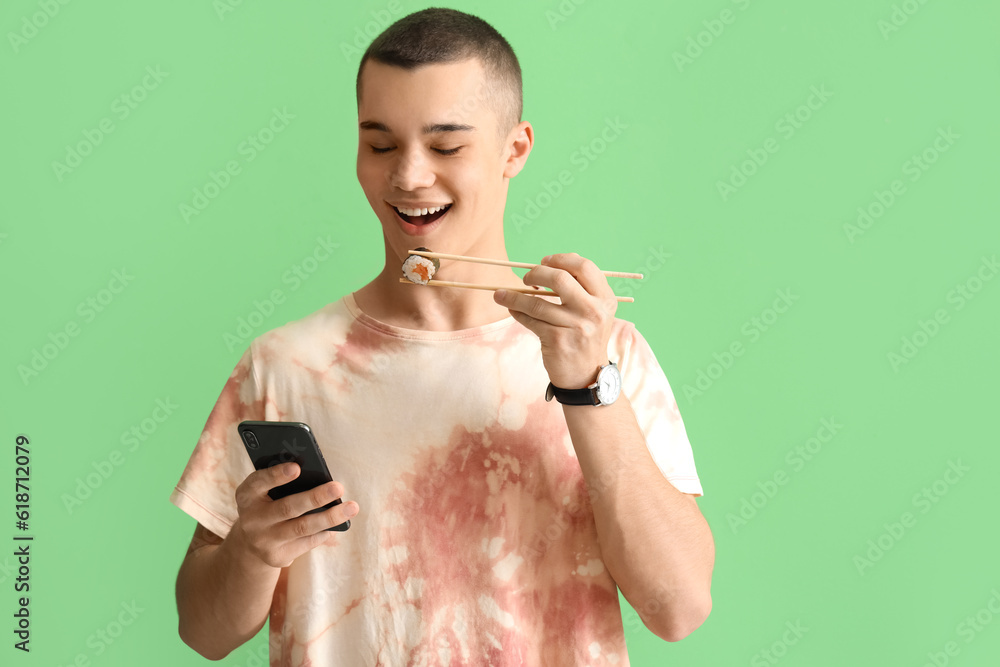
pixel 475 543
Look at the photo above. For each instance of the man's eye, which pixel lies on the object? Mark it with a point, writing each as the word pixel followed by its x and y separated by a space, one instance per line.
pixel 442 151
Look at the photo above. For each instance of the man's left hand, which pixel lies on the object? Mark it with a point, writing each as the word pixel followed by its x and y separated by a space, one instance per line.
pixel 574 333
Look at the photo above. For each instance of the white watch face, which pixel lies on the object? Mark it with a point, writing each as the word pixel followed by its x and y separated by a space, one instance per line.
pixel 609 384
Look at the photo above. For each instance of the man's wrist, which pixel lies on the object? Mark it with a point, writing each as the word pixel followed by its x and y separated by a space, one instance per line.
pixel 237 550
pixel 602 390
pixel 581 381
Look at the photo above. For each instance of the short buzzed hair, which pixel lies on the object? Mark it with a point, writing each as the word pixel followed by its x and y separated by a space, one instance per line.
pixel 441 35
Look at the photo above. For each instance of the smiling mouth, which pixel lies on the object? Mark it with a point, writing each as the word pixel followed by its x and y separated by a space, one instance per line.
pixel 422 219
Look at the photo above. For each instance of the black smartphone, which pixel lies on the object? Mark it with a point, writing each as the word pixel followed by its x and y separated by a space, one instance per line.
pixel 272 443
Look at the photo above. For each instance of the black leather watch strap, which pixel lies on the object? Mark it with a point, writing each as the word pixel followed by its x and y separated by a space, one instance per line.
pixel 585 396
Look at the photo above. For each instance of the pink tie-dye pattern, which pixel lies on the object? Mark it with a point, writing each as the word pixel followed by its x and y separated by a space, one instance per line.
pixel 494 560
pixel 501 485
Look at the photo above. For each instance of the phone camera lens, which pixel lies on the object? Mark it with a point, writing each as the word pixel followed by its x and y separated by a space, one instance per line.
pixel 251 439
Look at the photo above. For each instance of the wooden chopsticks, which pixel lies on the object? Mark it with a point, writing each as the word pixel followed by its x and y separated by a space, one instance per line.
pixel 499 262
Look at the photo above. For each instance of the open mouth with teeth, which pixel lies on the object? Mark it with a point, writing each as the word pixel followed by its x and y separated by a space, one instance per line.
pixel 424 216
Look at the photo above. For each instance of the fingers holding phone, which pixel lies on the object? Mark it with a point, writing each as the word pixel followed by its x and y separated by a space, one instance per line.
pixel 289 502
pixel 279 531
pixel 317 509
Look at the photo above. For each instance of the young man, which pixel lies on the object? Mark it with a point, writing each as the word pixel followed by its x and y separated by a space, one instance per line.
pixel 490 526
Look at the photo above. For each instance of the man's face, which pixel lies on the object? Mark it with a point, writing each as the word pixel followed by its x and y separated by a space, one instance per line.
pixel 428 138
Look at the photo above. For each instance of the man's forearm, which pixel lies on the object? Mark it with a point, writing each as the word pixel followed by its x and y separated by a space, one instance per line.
pixel 655 543
pixel 223 597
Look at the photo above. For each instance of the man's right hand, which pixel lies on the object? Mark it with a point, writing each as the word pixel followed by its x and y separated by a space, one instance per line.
pixel 276 532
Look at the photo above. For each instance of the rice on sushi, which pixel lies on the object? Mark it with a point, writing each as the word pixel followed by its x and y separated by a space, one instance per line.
pixel 420 269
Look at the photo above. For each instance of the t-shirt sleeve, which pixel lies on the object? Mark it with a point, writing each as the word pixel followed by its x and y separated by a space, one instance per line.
pixel 207 487
pixel 652 399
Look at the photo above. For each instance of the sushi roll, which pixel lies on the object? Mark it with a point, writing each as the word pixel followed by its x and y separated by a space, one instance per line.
pixel 420 269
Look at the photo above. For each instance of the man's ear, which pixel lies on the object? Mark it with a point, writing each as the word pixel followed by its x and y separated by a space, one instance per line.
pixel 520 140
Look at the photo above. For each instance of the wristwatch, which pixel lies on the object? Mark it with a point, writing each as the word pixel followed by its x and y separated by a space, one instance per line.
pixel 603 392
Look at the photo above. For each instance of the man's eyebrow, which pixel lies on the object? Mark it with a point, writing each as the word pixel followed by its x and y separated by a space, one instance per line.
pixel 435 128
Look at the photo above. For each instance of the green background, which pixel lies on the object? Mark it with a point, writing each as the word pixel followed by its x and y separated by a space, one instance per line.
pixel 653 190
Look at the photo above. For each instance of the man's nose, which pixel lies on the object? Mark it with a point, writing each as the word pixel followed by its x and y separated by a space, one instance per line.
pixel 411 171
